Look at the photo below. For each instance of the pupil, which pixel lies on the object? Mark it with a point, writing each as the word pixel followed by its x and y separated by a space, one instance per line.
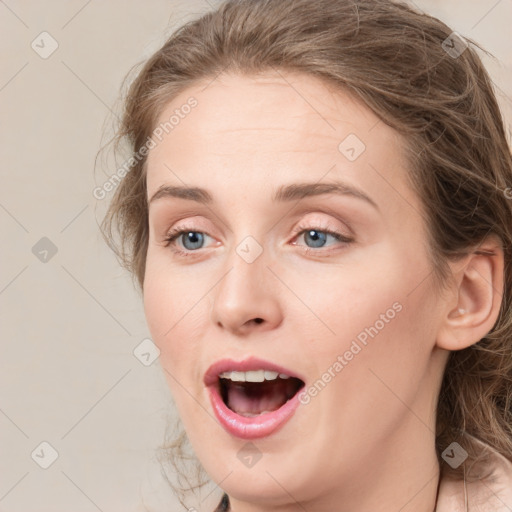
pixel 194 237
pixel 316 237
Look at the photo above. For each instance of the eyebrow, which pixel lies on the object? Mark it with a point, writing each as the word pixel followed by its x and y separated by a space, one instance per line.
pixel 284 193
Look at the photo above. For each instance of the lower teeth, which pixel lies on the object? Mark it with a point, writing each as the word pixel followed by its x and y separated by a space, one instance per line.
pixel 251 415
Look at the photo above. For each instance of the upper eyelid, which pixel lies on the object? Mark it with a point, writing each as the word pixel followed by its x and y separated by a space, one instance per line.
pixel 193 225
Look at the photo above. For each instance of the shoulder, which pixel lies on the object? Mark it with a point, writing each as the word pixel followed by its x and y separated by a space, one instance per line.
pixel 489 493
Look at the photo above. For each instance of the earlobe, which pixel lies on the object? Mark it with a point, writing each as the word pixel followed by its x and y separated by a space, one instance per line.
pixel 477 293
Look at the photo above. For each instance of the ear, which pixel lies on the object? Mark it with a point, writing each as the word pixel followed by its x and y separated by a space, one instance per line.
pixel 475 298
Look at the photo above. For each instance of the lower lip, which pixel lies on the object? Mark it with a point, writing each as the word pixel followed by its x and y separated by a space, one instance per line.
pixel 255 427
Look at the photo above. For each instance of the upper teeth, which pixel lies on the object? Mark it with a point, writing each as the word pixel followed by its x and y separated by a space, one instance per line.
pixel 253 376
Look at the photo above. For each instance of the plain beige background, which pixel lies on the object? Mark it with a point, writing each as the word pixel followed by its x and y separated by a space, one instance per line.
pixel 70 321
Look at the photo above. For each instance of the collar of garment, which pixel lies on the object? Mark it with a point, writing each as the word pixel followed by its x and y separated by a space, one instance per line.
pixel 487 487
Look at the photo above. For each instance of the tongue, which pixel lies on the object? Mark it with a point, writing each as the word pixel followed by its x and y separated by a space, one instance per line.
pixel 254 398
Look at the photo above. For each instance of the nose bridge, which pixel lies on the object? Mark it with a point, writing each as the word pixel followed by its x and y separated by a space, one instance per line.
pixel 241 285
pixel 244 293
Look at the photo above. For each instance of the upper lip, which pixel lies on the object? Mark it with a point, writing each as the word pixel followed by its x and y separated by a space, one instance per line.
pixel 252 363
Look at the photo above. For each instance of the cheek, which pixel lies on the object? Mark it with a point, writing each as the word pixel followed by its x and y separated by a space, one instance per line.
pixel 176 306
pixel 345 303
pixel 376 380
pixel 375 316
pixel 385 346
pixel 158 307
pixel 165 308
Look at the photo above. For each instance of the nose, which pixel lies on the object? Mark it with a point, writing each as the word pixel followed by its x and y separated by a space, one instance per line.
pixel 247 297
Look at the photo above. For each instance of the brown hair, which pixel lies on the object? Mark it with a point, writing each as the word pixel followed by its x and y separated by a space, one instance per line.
pixel 398 62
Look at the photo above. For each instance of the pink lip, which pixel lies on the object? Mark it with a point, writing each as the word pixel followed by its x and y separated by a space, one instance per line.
pixel 241 426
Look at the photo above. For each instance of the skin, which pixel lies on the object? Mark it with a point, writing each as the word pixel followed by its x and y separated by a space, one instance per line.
pixel 366 441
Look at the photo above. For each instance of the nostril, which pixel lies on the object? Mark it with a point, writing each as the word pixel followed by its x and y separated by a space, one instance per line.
pixel 258 320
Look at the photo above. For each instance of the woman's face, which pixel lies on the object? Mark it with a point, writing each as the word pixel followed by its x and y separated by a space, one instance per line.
pixel 262 277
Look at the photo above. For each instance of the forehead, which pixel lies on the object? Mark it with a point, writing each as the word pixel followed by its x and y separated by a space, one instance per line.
pixel 298 106
pixel 259 127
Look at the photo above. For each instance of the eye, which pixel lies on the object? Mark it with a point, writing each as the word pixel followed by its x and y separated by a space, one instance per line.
pixel 192 240
pixel 317 236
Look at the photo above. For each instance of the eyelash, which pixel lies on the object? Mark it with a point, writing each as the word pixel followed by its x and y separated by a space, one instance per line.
pixel 177 232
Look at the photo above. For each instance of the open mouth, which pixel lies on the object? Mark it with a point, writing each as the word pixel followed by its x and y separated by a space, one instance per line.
pixel 257 392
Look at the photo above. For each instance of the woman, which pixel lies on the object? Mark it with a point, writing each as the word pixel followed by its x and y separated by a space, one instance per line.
pixel 318 215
